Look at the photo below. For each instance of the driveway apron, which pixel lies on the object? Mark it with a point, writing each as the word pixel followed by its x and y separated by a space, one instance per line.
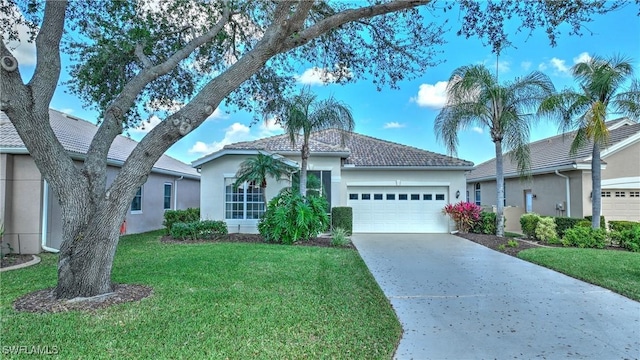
pixel 460 300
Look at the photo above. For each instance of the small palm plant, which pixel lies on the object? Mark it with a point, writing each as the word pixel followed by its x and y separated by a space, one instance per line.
pixel 257 169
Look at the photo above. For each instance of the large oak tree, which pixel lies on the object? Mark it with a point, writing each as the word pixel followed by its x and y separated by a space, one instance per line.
pixel 132 59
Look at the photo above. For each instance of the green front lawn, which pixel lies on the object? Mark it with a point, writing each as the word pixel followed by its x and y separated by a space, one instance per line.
pixel 618 271
pixel 216 300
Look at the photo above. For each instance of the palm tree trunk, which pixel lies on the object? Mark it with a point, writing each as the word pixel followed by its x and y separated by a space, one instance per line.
pixel 596 184
pixel 499 189
pixel 303 169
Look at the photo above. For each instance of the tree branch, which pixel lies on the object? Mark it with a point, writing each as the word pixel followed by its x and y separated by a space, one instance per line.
pixel 346 16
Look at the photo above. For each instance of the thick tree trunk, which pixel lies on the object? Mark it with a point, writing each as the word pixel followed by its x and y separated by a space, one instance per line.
pixel 596 184
pixel 90 238
pixel 499 190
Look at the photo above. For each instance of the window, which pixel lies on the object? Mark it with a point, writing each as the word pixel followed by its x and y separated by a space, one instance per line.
pixel 353 196
pixel 391 196
pixel 136 203
pixel 439 196
pixel 477 194
pixel 402 197
pixel 377 196
pixel 620 193
pixel 427 196
pixel 167 196
pixel 366 196
pixel 244 202
pixel 505 193
pixel 318 183
pixel 606 194
pixel 415 196
pixel 634 193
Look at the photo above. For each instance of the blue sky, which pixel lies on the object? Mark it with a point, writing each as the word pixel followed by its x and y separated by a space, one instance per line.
pixel 406 116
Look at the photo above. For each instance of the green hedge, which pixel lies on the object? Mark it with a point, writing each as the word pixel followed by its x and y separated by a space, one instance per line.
pixel 528 224
pixel 585 237
pixel 185 216
pixel 564 223
pixel 342 217
pixel 602 222
pixel 206 229
pixel 619 225
pixel 627 238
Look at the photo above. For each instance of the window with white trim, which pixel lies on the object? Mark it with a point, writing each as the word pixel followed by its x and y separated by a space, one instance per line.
pixel 136 203
pixel 606 193
pixel 620 193
pixel 244 202
pixel 478 194
pixel 167 195
pixel 634 193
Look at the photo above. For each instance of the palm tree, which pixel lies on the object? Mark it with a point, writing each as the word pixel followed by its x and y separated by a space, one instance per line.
pixel 601 82
pixel 304 114
pixel 257 169
pixel 475 98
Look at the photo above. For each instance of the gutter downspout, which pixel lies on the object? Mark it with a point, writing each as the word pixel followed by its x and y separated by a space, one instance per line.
pixel 45 219
pixel 568 192
pixel 175 192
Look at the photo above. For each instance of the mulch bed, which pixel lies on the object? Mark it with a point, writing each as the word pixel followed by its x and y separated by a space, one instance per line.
pixel 14 259
pixel 44 301
pixel 496 242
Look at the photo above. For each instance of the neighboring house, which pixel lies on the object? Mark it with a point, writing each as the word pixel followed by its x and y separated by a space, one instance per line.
pixel 561 184
pixel 391 187
pixel 31 213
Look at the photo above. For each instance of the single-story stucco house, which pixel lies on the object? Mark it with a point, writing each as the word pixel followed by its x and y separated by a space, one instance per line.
pixel 561 184
pixel 30 212
pixel 391 187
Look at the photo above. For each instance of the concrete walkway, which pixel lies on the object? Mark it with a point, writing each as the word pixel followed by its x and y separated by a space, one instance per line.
pixel 460 300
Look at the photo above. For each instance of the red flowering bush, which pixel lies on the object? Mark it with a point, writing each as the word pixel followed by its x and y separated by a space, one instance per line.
pixel 465 214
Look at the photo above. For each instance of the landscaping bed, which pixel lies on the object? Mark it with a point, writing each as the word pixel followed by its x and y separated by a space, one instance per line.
pixel 320 241
pixel 14 259
pixel 497 243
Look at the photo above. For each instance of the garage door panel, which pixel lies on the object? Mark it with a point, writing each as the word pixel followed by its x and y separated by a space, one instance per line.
pixel 398 209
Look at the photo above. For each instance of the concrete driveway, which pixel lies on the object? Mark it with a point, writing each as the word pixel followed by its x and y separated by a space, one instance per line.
pixel 459 300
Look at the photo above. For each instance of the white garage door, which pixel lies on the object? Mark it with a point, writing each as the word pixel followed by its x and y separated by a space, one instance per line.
pixel 621 204
pixel 397 209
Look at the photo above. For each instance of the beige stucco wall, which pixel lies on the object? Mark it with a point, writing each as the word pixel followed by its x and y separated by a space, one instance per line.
pixel 623 163
pixel 22 215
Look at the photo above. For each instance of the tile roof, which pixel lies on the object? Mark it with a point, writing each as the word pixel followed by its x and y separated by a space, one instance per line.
pixel 553 153
pixel 360 150
pixel 76 134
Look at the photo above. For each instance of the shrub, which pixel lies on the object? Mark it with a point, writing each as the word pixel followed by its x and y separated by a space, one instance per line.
pixel 564 223
pixel 528 223
pixel 291 217
pixel 342 217
pixel 619 225
pixel 585 237
pixel 486 224
pixel 602 223
pixel 186 216
pixel 583 223
pixel 211 229
pixel 184 231
pixel 627 238
pixel 546 229
pixel 206 229
pixel 464 214
pixel 339 237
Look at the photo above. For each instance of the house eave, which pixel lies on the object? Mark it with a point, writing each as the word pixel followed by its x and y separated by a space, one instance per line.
pixel 540 171
pixel 408 168
pixel 203 160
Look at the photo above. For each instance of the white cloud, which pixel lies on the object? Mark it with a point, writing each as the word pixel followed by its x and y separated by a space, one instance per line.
pixel 559 65
pixel 542 67
pixel 146 126
pixel 525 65
pixel 270 127
pixel 323 76
pixel 393 125
pixel 432 96
pixel 583 57
pixel 235 133
pixel 478 129
pixel 23 50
